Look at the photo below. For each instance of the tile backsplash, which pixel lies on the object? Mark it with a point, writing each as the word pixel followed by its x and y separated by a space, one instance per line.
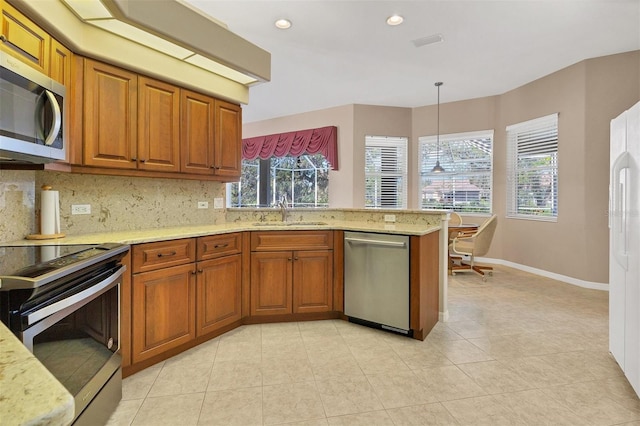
pixel 17 204
pixel 117 203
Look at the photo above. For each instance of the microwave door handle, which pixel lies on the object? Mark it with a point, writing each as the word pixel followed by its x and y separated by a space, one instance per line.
pixel 57 118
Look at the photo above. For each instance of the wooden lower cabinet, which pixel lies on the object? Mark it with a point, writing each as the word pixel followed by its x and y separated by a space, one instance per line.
pixel 312 281
pixel 164 304
pixel 219 293
pixel 285 282
pixel 271 283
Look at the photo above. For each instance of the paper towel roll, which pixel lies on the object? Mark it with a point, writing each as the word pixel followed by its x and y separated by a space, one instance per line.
pixel 49 212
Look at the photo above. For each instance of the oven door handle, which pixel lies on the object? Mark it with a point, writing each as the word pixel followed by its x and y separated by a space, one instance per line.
pixel 85 295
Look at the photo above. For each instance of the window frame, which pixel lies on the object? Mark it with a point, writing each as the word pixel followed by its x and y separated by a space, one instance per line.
pixel 400 143
pixel 268 189
pixel 541 131
pixel 445 140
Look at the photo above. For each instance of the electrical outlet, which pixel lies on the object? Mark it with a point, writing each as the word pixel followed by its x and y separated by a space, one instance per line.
pixel 218 203
pixel 389 217
pixel 81 209
pixel 203 204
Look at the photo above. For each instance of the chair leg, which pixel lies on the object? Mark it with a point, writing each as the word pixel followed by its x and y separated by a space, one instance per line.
pixel 481 269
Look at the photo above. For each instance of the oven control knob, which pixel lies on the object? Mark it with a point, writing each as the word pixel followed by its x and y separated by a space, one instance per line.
pixel 110 343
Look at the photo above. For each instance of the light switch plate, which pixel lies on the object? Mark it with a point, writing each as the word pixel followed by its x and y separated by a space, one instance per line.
pixel 203 204
pixel 218 203
pixel 81 209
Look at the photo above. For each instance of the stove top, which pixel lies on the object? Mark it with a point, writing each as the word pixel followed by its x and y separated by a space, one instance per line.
pixel 34 266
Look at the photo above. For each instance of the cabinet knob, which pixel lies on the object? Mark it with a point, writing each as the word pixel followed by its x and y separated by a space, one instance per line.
pixel 295 258
pixel 134 159
pixel 193 272
pixel 200 271
pixel 3 38
pixel 143 160
pixel 289 259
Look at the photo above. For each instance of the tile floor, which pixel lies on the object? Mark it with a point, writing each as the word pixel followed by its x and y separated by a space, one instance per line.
pixel 518 350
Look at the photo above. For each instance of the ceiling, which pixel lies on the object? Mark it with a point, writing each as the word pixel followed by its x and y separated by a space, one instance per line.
pixel 343 52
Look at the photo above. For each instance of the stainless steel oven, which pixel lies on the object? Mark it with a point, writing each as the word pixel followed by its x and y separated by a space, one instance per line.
pixel 63 302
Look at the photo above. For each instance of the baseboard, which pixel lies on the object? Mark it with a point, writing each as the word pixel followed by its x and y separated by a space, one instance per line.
pixel 547 274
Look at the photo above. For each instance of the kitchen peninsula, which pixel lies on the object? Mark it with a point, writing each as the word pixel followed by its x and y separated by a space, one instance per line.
pixel 205 275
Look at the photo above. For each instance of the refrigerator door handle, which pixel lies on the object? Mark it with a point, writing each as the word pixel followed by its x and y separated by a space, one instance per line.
pixel 617 214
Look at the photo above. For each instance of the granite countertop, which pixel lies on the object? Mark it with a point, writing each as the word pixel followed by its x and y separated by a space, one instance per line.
pixel 171 233
pixel 30 394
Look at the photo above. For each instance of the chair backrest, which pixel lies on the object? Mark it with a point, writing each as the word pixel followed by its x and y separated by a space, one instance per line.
pixel 482 238
pixel 454 219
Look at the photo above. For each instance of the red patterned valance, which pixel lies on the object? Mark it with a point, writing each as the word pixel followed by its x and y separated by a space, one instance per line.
pixel 311 141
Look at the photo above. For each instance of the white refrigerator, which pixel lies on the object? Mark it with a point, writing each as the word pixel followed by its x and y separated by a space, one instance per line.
pixel 624 244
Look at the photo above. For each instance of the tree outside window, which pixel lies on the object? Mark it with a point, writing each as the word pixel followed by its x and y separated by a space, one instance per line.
pixel 304 180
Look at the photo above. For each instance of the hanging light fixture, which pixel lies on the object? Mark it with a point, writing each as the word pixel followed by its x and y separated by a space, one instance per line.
pixel 438 168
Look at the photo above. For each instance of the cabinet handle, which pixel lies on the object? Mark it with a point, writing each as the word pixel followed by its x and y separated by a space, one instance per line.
pixel 289 259
pixel 295 258
pixel 3 38
pixel 134 159
pixel 142 161
pixel 193 272
pixel 200 271
pixel 173 253
pixel 221 246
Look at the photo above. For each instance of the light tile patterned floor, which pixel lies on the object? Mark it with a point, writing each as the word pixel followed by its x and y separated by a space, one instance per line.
pixel 518 350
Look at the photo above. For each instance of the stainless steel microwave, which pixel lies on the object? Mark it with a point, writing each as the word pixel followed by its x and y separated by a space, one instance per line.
pixel 31 114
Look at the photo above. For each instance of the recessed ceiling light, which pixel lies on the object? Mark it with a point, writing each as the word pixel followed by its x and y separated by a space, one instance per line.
pixel 283 24
pixel 395 20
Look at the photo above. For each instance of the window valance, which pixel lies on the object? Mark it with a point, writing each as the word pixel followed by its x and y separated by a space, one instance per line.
pixel 323 140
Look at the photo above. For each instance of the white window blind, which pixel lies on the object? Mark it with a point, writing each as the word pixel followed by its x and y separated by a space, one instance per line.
pixel 532 169
pixel 466 184
pixel 385 172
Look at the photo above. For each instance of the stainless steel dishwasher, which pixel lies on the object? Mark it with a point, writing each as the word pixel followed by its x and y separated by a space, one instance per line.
pixel 376 280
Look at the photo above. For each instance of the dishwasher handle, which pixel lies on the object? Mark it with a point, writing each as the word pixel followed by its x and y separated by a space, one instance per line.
pixel 400 244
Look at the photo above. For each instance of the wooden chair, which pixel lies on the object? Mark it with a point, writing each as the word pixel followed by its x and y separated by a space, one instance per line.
pixel 473 244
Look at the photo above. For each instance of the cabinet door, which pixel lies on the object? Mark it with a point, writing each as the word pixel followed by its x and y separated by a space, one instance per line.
pixel 110 109
pixel 158 126
pixel 218 293
pixel 23 39
pixel 312 281
pixel 197 133
pixel 60 64
pixel 228 139
pixel 164 307
pixel 271 276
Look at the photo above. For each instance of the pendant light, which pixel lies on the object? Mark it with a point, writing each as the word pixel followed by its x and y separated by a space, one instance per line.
pixel 438 168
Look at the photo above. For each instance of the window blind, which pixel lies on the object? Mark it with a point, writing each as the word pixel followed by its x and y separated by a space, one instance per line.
pixel 466 184
pixel 385 172
pixel 532 169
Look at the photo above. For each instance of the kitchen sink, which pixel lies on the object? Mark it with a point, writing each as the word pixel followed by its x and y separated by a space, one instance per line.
pixel 289 223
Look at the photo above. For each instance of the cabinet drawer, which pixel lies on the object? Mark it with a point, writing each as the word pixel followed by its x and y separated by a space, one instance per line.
pixel 151 256
pixel 219 245
pixel 291 240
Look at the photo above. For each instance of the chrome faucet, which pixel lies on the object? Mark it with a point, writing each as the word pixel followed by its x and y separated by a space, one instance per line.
pixel 283 204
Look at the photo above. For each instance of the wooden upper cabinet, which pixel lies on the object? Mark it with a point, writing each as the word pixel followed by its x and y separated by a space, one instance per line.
pixel 23 39
pixel 60 63
pixel 109 113
pixel 158 126
pixel 197 133
pixel 228 140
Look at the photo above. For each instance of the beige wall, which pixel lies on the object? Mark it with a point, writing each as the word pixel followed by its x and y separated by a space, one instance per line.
pixel 372 120
pixel 341 181
pixel 586 96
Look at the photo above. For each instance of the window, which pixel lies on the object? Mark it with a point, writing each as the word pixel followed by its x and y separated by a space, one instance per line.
pixel 385 172
pixel 532 169
pixel 466 184
pixel 304 180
